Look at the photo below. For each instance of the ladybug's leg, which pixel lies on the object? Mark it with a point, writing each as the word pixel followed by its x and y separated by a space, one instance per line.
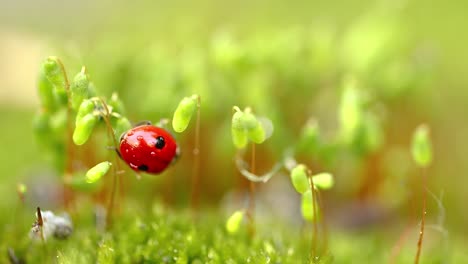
pixel 142 123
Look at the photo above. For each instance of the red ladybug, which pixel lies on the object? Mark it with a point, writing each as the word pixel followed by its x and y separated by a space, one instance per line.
pixel 148 148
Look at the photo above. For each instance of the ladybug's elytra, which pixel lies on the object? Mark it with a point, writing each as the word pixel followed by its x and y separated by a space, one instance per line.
pixel 148 148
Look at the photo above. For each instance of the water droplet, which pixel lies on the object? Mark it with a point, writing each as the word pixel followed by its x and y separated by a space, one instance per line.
pixel 140 138
pixel 127 150
pixel 153 154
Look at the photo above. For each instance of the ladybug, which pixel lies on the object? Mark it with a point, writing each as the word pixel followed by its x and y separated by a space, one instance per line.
pixel 148 148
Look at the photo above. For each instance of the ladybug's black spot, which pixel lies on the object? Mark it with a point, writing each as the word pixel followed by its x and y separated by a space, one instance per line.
pixel 160 143
pixel 143 167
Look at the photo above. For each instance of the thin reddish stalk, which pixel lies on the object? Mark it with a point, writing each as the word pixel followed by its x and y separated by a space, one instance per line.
pixel 313 248
pixel 423 218
pixel 115 167
pixel 251 209
pixel 68 173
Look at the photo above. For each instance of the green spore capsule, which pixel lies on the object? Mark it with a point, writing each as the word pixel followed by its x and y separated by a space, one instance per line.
pixel 46 93
pixel 79 89
pixel 239 134
pixel 239 138
pixel 86 107
pixel 299 178
pixel 84 128
pixel 323 180
pixel 116 104
pixel 307 206
pixel 41 124
pixel 249 121
pixel 122 125
pixel 421 147
pixel 58 122
pixel 54 72
pixel 309 140
pixel 237 118
pixel 95 173
pixel 234 221
pixel 257 134
pixel 184 112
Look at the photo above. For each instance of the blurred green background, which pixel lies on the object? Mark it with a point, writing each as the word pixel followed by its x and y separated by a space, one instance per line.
pixel 288 61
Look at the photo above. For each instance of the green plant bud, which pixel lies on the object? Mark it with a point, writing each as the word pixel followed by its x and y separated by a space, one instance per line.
pixel 350 111
pixel 184 112
pixel 86 107
pixel 84 128
pixel 249 121
pixel 79 182
pixel 421 147
pixel 307 206
pixel 237 122
pixel 61 97
pixel 95 173
pixel 239 137
pixel 309 140
pixel 116 104
pixel 234 221
pixel 299 178
pixel 122 125
pixel 54 72
pixel 46 93
pixel 323 180
pixel 41 124
pixel 257 134
pixel 79 89
pixel 58 122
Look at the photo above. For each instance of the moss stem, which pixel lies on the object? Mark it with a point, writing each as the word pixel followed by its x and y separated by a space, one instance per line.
pixel 423 218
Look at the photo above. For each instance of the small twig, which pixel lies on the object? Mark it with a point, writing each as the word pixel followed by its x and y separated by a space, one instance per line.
pixel 423 218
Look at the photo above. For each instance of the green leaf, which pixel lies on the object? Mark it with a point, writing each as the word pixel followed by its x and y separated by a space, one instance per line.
pixel 299 178
pixel 233 223
pixel 184 112
pixel 421 147
pixel 79 89
pixel 95 173
pixel 83 129
pixel 323 180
